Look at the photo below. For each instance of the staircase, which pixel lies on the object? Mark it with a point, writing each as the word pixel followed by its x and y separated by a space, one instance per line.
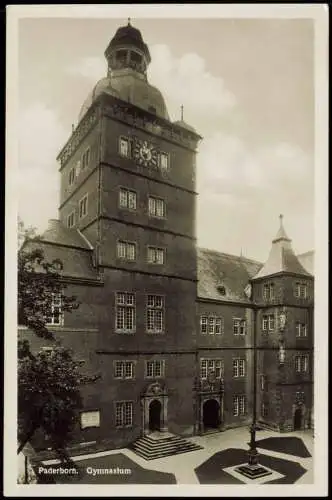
pixel 162 444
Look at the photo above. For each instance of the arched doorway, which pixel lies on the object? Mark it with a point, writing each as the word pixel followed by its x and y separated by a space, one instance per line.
pixel 211 411
pixel 154 415
pixel 298 419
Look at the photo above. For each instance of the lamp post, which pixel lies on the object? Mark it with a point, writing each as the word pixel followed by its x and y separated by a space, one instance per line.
pixel 253 470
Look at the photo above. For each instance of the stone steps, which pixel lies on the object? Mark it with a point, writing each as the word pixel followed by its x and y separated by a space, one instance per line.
pixel 151 448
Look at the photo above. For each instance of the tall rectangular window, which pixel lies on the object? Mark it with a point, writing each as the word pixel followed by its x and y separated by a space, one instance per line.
pixel 124 147
pixel 86 158
pixel 239 326
pixel 71 219
pixel 125 312
pixel 301 329
pixel 268 322
pixel 127 199
pixel 83 206
pixel 55 316
pixel 126 250
pixel 72 175
pixel 264 410
pixel 239 405
pixel 239 367
pixel 124 369
pixel 301 290
pixel 156 255
pixel 302 363
pixel 157 207
pixel 155 368
pixel 155 309
pixel 123 413
pixel 163 161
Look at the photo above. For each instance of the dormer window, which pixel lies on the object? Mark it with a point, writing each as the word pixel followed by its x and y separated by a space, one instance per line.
pixel 221 289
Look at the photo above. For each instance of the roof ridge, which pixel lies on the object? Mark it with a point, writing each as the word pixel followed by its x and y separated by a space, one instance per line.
pixel 229 255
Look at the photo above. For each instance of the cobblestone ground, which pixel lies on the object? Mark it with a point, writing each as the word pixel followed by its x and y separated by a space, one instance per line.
pixel 288 454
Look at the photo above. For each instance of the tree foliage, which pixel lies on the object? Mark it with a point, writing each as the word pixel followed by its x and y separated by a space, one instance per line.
pixel 49 381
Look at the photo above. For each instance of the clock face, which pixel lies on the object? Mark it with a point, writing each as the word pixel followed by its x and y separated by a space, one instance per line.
pixel 145 154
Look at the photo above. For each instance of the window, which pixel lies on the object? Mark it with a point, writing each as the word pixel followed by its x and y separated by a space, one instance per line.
pixel 124 147
pixel 156 207
pixel 239 326
pixel 239 368
pixel 301 329
pixel 78 168
pixel 299 397
pixel 71 219
pixel 263 382
pixel 124 369
pixel 55 317
pixel 126 250
pixel 127 199
pixel 155 368
pixel 301 290
pixel 123 414
pixel 156 255
pixel 212 366
pixel 125 312
pixel 155 314
pixel 264 410
pixel 72 176
pixel 268 322
pixel 86 158
pixel 268 291
pixel 90 419
pixel 83 206
pixel 302 363
pixel 239 405
pixel 163 161
pixel 212 325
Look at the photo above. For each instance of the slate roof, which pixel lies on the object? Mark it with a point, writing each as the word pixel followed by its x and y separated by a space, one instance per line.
pixel 70 247
pixel 221 269
pixel 282 257
pixel 307 260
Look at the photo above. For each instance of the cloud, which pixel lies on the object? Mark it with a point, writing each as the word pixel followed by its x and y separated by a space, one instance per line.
pixel 41 137
pixel 183 81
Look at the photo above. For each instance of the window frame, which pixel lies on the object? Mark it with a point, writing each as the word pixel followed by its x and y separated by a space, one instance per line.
pixel 155 249
pixel 123 364
pixel 126 244
pixel 127 140
pixel 153 364
pixel 213 365
pixel 163 154
pixel 155 199
pixel 80 204
pixel 86 154
pixel 127 191
pixel 122 405
pixel 61 314
pixel 239 365
pixel 72 176
pixel 125 307
pixel 155 308
pixel 71 214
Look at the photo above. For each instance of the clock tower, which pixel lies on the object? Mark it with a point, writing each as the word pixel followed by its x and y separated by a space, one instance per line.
pixel 128 183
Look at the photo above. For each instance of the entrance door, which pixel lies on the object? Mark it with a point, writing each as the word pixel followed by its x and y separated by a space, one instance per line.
pixel 298 419
pixel 211 414
pixel 154 415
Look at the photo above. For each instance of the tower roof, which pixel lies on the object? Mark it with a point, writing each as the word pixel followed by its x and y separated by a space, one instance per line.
pixel 129 36
pixel 282 258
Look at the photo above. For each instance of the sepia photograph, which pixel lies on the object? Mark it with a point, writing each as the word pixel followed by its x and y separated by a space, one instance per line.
pixel 166 250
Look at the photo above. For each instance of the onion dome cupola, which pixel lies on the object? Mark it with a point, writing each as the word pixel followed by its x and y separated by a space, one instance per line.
pixel 282 258
pixel 128 58
pixel 127 50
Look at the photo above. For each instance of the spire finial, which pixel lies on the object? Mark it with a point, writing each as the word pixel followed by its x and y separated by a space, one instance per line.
pixel 182 112
pixel 281 219
pixel 129 21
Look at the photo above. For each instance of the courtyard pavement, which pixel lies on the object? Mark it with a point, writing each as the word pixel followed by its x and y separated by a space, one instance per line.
pixel 289 453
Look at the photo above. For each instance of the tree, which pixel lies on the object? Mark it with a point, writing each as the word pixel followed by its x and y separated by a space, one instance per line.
pixel 49 382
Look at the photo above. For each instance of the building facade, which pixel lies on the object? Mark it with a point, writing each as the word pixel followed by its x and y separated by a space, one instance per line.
pixel 171 328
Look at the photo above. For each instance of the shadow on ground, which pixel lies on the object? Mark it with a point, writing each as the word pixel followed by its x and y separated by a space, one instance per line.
pixel 93 471
pixel 289 445
pixel 211 471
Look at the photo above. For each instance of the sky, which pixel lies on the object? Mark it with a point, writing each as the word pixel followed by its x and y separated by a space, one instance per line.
pixel 247 86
